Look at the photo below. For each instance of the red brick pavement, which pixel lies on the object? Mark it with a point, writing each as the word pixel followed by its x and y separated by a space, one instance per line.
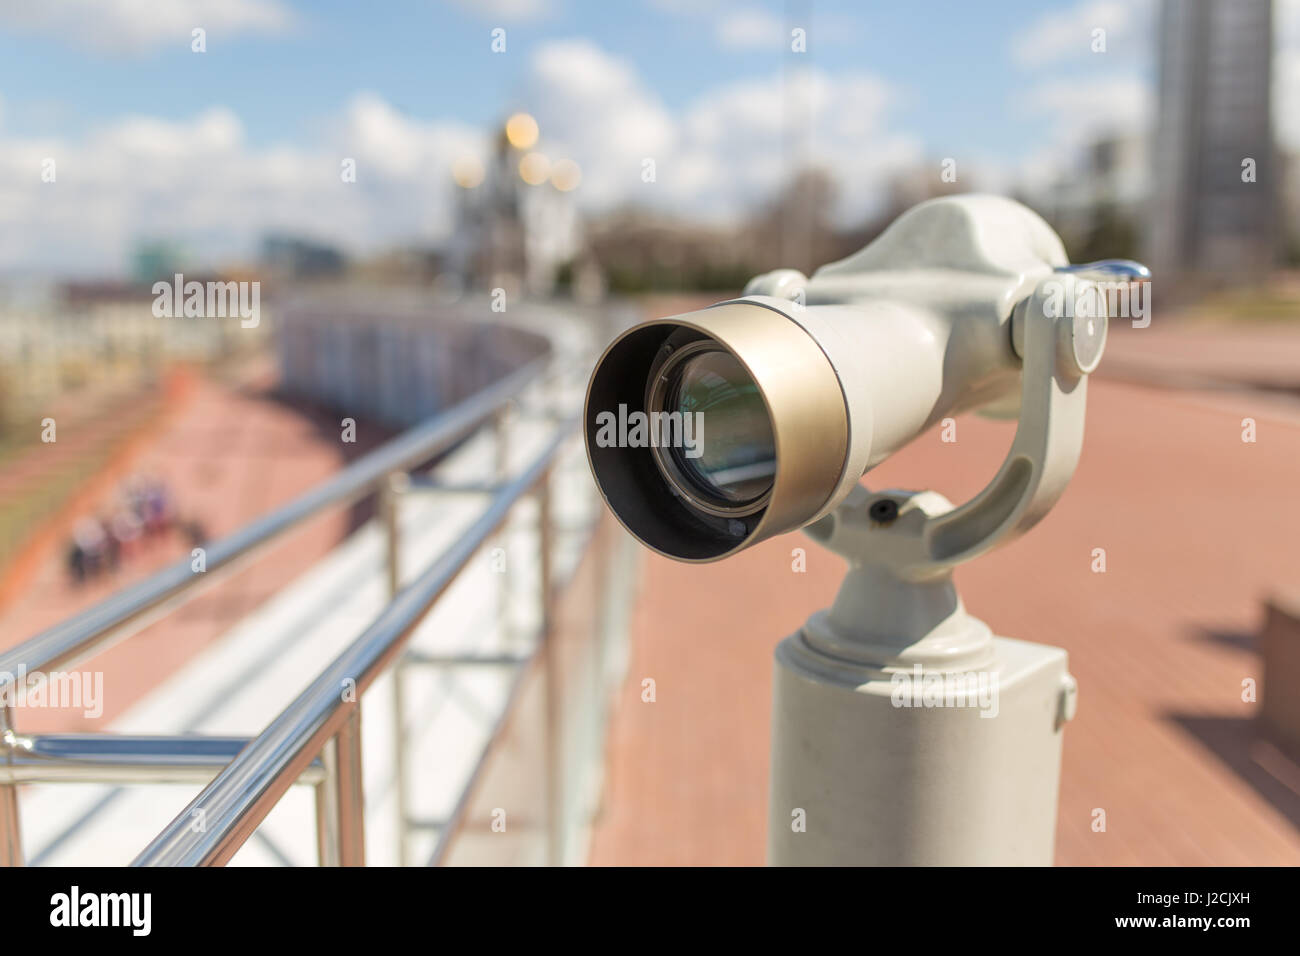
pixel 1266 354
pixel 232 453
pixel 1197 527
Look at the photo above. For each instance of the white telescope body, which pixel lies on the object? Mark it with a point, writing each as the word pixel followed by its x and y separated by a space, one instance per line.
pixel 851 365
pixel 903 731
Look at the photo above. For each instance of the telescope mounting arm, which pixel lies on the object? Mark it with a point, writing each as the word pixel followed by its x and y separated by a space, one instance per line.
pixel 920 536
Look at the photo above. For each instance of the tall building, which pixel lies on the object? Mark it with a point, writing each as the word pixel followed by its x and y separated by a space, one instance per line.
pixel 1208 219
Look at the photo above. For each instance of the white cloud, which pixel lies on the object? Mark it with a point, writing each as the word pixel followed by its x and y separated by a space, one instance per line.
pixel 198 181
pixel 739 26
pixel 1068 34
pixel 1085 109
pixel 728 149
pixel 506 11
pixel 683 8
pixel 750 29
pixel 130 26
pixel 1106 93
pixel 736 140
pixel 1078 114
pixel 399 147
pixel 593 107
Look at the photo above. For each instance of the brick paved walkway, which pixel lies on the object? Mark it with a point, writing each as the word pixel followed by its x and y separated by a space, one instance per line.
pixel 230 454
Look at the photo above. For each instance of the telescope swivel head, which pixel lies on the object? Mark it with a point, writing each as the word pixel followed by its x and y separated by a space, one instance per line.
pixel 710 431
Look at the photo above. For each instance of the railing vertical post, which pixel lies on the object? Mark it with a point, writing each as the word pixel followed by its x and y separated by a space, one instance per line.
pixel 500 469
pixel 551 666
pixel 327 842
pixel 399 758
pixel 11 844
pixel 555 393
pixel 340 798
pixel 351 790
pixel 501 440
pixel 390 495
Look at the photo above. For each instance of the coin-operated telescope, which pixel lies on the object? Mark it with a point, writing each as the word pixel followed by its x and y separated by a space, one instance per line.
pixel 903 731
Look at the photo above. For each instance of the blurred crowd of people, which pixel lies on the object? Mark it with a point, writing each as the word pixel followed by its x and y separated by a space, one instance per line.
pixel 143 515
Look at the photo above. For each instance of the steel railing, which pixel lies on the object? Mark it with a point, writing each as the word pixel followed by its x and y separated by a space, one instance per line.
pixel 133 608
pixel 316 739
pixel 328 711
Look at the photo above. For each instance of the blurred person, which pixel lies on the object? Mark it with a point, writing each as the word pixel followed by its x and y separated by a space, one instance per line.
pixel 125 530
pixel 76 562
pixel 195 532
pixel 110 548
pixel 87 548
pixel 153 506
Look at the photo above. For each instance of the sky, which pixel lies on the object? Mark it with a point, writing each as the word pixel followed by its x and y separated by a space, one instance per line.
pixel 152 140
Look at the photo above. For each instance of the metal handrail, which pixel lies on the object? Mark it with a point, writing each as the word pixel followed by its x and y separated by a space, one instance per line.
pixel 235 803
pixel 130 610
pixel 123 758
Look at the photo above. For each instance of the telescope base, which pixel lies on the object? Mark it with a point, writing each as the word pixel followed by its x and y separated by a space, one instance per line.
pixel 893 766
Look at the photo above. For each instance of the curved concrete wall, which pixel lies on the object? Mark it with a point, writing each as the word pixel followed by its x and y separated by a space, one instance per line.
pixel 395 365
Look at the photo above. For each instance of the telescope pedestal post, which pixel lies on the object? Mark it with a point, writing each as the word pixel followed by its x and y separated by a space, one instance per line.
pixel 903 731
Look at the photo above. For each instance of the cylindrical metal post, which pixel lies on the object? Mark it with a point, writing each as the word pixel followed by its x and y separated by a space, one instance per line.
pixel 551 669
pixel 501 440
pixel 500 468
pixel 340 800
pixel 327 843
pixel 400 781
pixel 11 845
pixel 390 495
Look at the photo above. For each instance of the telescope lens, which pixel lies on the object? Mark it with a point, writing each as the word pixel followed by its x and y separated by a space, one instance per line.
pixel 731 457
pixel 687 416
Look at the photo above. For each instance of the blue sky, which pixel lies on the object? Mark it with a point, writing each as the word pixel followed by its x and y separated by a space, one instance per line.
pixel 950 59
pixel 155 141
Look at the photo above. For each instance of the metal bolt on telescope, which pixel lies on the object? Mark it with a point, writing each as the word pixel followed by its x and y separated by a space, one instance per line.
pixel 903 731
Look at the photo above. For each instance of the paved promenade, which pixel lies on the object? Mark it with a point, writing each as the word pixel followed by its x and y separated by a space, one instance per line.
pixel 229 453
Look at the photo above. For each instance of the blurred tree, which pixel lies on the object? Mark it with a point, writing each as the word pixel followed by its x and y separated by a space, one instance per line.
pixel 794 231
pixel 1111 235
pixel 640 251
